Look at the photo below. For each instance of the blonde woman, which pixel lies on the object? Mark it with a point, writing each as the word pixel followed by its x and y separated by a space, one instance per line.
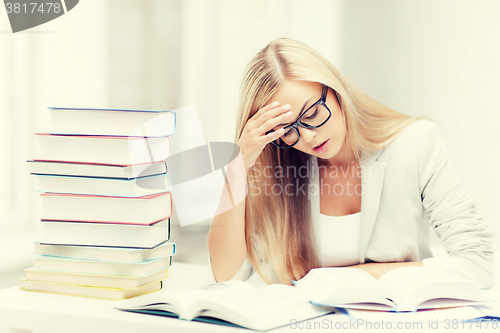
pixel 334 178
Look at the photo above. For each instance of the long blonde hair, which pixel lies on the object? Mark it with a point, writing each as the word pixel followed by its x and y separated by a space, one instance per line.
pixel 279 237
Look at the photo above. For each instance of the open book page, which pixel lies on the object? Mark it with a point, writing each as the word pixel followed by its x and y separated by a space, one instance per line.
pixel 490 310
pixel 426 288
pixel 421 316
pixel 185 302
pixel 343 286
pixel 262 308
pixel 236 302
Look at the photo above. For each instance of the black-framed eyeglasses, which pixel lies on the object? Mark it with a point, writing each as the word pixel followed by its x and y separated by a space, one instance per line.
pixel 315 116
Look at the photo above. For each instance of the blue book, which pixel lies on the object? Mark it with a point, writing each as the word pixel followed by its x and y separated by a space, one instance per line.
pixel 116 187
pixel 112 122
pixel 96 170
pixel 102 149
pixel 116 254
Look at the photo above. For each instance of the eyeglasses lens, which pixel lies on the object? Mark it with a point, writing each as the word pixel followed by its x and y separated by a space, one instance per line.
pixel 313 117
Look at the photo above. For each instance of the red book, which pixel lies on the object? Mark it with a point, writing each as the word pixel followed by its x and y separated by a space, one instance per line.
pixel 146 210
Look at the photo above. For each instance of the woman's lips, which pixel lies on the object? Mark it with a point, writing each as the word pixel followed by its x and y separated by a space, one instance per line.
pixel 322 147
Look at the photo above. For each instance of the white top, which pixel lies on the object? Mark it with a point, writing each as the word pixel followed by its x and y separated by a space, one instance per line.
pixel 339 239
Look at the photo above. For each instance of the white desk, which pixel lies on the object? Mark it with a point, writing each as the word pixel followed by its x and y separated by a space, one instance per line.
pixel 25 311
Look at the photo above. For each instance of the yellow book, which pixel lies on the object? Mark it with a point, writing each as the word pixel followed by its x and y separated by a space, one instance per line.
pixel 87 291
pixel 94 280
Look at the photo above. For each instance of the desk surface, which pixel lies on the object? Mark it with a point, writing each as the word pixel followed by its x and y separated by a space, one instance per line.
pixel 53 313
pixel 28 310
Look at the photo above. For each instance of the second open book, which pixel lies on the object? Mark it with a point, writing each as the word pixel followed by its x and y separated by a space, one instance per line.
pixel 400 290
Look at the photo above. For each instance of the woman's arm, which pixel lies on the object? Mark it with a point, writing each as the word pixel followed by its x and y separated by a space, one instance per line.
pixel 226 237
pixel 377 269
pixel 453 215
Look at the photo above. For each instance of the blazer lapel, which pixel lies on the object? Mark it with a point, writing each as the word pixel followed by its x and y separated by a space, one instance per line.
pixel 372 180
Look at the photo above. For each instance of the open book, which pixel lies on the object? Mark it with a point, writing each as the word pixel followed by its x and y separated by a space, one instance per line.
pixel 235 303
pixel 400 290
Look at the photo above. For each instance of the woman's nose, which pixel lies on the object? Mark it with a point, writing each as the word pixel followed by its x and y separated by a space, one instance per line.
pixel 307 134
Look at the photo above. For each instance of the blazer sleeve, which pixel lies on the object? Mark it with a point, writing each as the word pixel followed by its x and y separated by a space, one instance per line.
pixel 244 273
pixel 453 216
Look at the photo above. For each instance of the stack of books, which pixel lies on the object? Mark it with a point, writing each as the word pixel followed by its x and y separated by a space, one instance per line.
pixel 106 198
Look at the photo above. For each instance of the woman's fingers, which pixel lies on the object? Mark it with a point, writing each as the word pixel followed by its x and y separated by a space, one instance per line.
pixel 265 109
pixel 274 135
pixel 282 119
pixel 281 113
pixel 253 138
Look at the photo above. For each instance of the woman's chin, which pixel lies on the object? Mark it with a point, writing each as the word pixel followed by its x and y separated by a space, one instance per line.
pixel 329 153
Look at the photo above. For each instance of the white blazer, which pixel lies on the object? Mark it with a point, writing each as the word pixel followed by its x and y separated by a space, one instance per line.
pixel 405 187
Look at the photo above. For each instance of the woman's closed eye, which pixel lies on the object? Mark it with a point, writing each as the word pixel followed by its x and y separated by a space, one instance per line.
pixel 311 116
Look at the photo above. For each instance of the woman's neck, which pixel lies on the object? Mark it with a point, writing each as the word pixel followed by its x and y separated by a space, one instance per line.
pixel 342 159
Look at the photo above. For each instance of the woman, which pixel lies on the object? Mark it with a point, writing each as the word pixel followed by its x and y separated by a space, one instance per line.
pixel 337 179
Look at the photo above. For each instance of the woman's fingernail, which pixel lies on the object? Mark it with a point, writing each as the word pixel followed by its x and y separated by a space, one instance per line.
pixel 287 107
pixel 275 103
pixel 288 114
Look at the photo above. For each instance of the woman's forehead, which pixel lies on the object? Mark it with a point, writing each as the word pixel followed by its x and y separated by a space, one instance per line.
pixel 296 92
pixel 300 95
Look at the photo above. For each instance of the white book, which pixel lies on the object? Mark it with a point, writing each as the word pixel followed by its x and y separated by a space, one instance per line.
pixel 402 289
pixel 96 170
pixel 117 254
pixel 115 150
pixel 145 210
pixel 73 265
pixel 233 303
pixel 135 187
pixel 89 291
pixel 95 280
pixel 105 234
pixel 118 122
